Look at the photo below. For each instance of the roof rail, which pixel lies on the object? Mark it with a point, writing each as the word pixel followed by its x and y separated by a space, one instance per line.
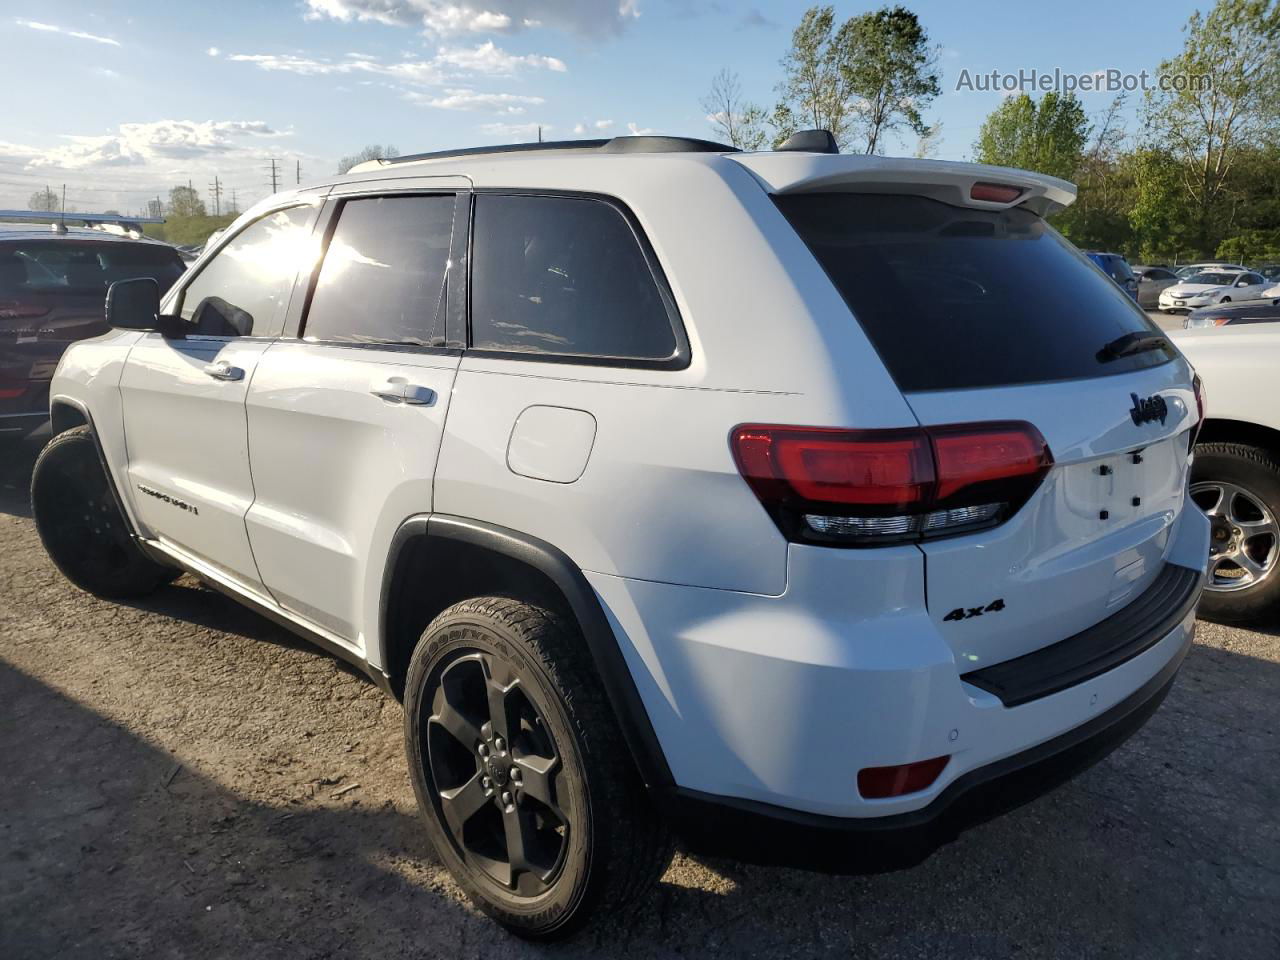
pixel 636 144
pixel 88 219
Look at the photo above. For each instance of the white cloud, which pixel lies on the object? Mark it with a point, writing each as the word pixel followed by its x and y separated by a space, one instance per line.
pixel 638 131
pixel 53 28
pixel 213 51
pixel 489 58
pixel 509 103
pixel 590 18
pixel 138 144
pixel 603 124
pixel 449 63
pixel 515 131
pixel 579 128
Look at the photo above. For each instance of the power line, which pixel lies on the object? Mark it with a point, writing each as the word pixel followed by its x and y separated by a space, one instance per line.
pixel 216 189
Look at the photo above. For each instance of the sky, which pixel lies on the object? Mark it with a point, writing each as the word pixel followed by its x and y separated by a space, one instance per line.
pixel 119 100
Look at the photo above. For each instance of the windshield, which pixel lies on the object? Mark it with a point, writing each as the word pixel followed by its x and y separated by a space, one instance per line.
pixel 1213 279
pixel 82 268
pixel 953 297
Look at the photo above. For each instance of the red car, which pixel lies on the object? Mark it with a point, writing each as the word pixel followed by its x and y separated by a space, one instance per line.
pixel 53 288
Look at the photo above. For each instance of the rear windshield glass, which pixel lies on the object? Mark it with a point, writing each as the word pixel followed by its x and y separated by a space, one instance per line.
pixel 82 267
pixel 954 298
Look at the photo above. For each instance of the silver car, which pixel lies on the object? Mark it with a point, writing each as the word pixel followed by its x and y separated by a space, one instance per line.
pixel 1151 280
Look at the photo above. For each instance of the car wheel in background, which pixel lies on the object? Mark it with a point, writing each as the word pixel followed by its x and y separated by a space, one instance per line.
pixel 1238 486
pixel 80 523
pixel 527 787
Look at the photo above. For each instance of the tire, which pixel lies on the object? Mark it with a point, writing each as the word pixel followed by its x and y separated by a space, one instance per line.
pixel 1225 300
pixel 1237 483
pixel 80 524
pixel 578 811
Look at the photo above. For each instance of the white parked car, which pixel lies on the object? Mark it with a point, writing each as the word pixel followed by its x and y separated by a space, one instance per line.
pixel 668 488
pixel 1210 287
pixel 1236 474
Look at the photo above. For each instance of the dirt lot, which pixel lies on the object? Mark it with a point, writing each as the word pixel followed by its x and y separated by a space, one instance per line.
pixel 174 783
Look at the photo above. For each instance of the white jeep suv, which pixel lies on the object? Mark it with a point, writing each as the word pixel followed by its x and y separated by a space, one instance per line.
pixel 807 507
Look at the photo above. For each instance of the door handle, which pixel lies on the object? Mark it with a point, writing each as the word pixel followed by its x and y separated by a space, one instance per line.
pixel 222 370
pixel 399 390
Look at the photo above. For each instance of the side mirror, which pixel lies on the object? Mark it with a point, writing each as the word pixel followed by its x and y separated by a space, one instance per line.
pixel 135 305
pixel 1242 283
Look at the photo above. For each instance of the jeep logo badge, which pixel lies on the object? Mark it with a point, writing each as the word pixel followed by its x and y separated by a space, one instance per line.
pixel 1148 409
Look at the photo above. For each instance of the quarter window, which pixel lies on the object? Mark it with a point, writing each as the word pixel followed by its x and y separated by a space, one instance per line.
pixel 244 290
pixel 383 278
pixel 563 276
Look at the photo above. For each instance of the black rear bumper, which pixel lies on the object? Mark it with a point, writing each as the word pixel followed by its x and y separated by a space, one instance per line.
pixel 759 833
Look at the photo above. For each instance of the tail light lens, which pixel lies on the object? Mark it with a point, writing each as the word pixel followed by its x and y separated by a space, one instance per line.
pixel 864 487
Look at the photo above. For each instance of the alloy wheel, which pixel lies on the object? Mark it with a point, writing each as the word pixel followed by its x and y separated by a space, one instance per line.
pixel 1244 537
pixel 495 767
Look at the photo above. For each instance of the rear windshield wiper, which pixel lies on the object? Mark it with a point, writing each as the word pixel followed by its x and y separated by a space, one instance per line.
pixel 1130 344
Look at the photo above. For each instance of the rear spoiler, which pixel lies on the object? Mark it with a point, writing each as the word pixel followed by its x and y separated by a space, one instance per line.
pixel 945 180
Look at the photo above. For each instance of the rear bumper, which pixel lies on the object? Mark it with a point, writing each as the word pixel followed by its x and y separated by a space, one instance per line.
pixel 761 833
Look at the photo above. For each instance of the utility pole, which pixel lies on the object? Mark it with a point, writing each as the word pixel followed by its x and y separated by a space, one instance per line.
pixel 235 207
pixel 539 133
pixel 216 189
pixel 298 172
pixel 64 204
pixel 275 179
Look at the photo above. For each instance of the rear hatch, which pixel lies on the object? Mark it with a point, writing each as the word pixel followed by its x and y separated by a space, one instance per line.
pixel 985 314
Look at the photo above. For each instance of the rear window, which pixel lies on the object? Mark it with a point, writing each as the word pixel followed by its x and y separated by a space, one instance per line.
pixel 82 268
pixel 954 298
pixel 564 276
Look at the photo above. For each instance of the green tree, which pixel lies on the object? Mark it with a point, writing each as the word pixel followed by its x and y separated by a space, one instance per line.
pixel 1047 137
pixel 1159 215
pixel 44 201
pixel 373 151
pixel 815 88
pixel 1251 246
pixel 1224 97
pixel 738 121
pixel 892 70
pixel 184 201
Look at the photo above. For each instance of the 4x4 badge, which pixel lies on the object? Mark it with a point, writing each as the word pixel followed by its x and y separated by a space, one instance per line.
pixel 1146 410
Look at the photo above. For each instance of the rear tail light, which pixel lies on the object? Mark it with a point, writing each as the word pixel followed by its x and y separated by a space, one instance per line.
pixel 994 192
pixel 17 311
pixel 863 487
pixel 1220 321
pixel 876 783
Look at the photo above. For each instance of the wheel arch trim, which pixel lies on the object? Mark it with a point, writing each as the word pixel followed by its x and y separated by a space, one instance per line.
pixel 565 576
pixel 86 419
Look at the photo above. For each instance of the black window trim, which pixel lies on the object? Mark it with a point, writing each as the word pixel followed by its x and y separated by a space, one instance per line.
pixel 179 292
pixel 679 359
pixel 296 327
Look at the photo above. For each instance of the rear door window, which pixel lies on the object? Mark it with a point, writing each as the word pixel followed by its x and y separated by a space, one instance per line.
pixel 564 276
pixel 383 278
pixel 954 298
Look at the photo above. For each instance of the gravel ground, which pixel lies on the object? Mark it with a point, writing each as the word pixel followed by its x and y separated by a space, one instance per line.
pixel 181 778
